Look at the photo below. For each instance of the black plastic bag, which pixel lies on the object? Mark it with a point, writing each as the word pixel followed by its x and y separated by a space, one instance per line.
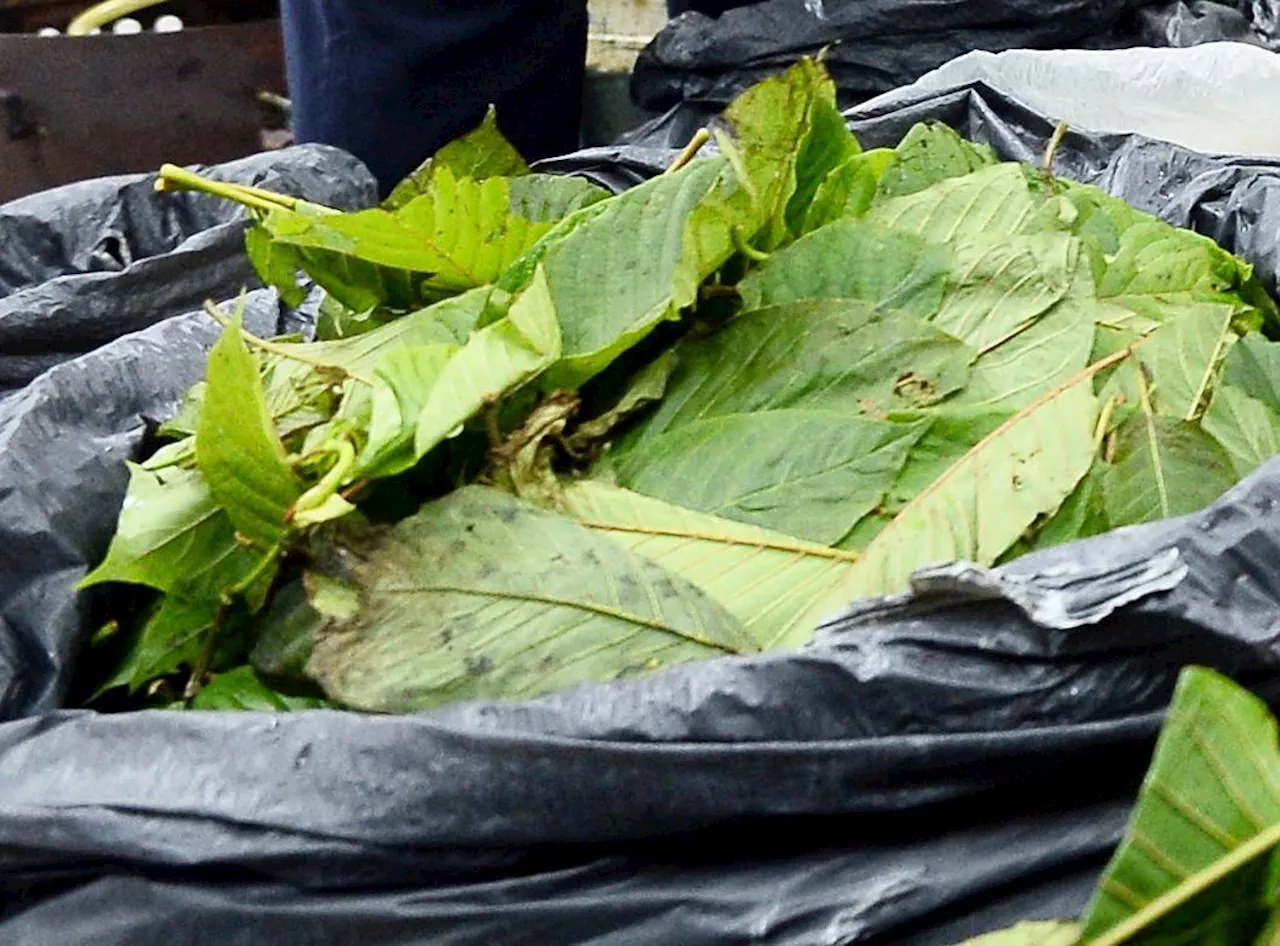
pixel 912 777
pixel 873 46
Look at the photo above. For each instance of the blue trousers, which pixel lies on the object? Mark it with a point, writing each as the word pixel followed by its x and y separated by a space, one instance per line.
pixel 392 80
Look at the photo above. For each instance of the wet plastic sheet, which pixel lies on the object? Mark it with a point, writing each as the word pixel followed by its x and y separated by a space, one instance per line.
pixel 873 46
pixel 913 777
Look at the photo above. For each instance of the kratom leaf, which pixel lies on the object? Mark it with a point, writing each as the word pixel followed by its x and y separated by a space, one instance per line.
pixel 647 387
pixel 764 579
pixel 826 146
pixel 1196 864
pixel 276 264
pixel 849 189
pixel 990 203
pixel 241 690
pixel 811 474
pixel 463 233
pixel 495 361
pixel 931 152
pixel 238 452
pixel 849 259
pixel 979 506
pixel 481 153
pixel 1163 468
pixel 1248 429
pixel 1184 356
pixel 825 355
pixel 1253 366
pixel 404 382
pixel 170 526
pixel 1045 933
pixel 480 596
pixel 1082 515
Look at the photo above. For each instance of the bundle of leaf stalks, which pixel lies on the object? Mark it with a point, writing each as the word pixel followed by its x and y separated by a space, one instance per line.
pixel 548 435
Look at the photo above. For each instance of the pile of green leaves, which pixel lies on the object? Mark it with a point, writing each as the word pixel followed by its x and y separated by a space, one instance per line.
pixel 1199 861
pixel 550 435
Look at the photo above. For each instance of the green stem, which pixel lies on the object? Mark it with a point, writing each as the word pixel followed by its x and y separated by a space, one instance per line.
pixel 331 481
pixel 1198 883
pixel 700 138
pixel 100 14
pixel 174 178
pixel 227 600
pixel 745 248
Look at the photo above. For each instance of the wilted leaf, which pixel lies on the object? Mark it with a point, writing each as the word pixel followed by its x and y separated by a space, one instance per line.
pixel 238 452
pixel 766 580
pixel 480 596
pixel 810 474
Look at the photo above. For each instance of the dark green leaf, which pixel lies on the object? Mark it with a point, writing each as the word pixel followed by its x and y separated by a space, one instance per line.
pixel 241 690
pixel 849 190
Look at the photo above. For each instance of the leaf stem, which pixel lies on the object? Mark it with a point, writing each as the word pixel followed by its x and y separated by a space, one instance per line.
pixel 1253 848
pixel 690 151
pixel 283 351
pixel 173 178
pixel 745 248
pixel 225 602
pixel 1050 152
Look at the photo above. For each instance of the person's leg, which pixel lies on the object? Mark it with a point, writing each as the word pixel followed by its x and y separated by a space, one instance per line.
pixel 393 80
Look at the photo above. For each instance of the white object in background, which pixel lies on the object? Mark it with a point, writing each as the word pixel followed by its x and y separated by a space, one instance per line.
pixel 49 31
pixel 127 26
pixel 168 24
pixel 1217 98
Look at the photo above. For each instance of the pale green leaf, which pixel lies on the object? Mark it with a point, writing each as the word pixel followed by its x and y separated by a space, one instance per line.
pixel 766 580
pixel 1184 356
pixel 1194 866
pixel 403 384
pixel 1043 933
pixel 850 259
pixel 1253 366
pixel 1248 429
pixel 809 474
pixel 237 450
pixel 984 501
pixel 481 596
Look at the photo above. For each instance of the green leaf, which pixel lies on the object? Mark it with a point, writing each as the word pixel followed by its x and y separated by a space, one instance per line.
pixel 646 387
pixel 853 260
pixel 766 580
pixel 495 360
pixel 276 264
pixel 481 153
pixel 850 189
pixel 1184 356
pixel 1253 366
pixel 931 152
pixel 1081 516
pixel 824 355
pixel 826 146
pixel 404 382
pixel 1248 429
pixel 1044 933
pixel 990 203
pixel 481 596
pixel 170 526
pixel 1195 863
pixel 463 233
pixel 241 690
pixel 984 501
pixel 809 474
pixel 1163 467
pixel 237 449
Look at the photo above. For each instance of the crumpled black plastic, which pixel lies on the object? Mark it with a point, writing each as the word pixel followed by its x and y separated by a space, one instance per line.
pixel 874 46
pixel 933 766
